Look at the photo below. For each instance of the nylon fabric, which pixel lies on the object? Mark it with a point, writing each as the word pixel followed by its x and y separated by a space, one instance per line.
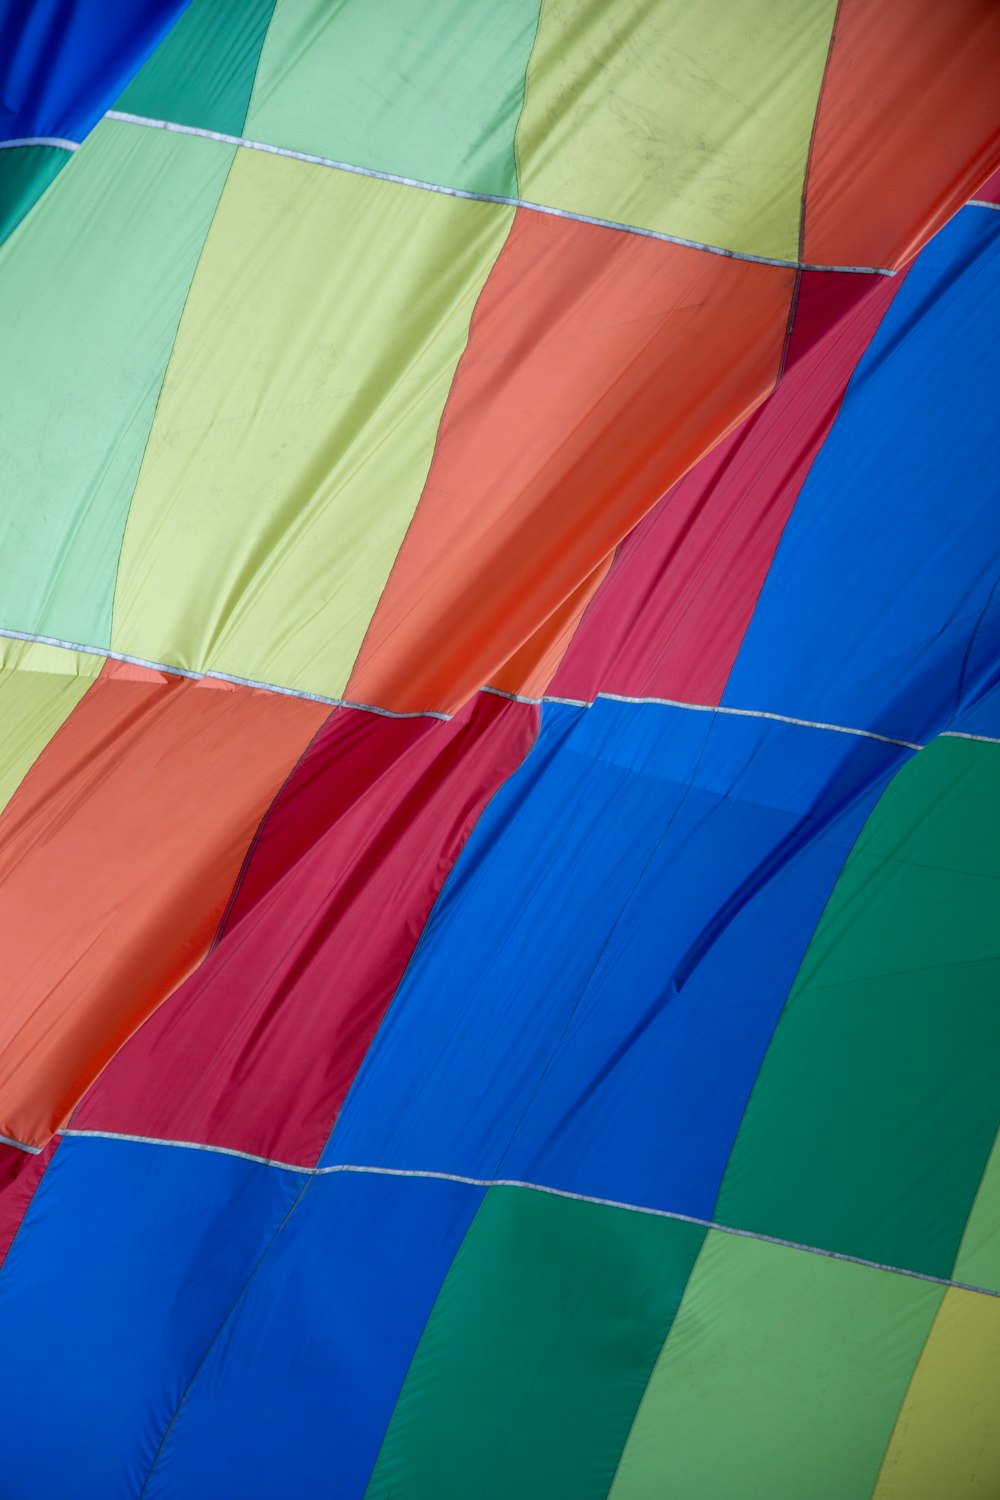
pixel 330 904
pixel 508 1387
pixel 878 587
pixel 63 61
pixel 309 417
pixel 100 1303
pixel 670 618
pixel 202 72
pixel 883 176
pixel 947 1431
pixel 671 117
pixel 39 688
pixel 782 1376
pixel 677 864
pixel 342 1299
pixel 91 292
pixel 599 368
pixel 90 949
pixel 875 1110
pixel 432 93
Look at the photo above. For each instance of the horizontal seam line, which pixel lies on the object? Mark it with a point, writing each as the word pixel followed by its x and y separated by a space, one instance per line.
pixel 960 734
pixel 983 203
pixel 251 682
pixel 712 708
pixel 390 713
pixel 503 201
pixel 534 1187
pixel 41 140
pixel 8 1140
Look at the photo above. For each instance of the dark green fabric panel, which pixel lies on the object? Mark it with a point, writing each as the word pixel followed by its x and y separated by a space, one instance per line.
pixel 877 1104
pixel 537 1352
pixel 25 173
pixel 202 72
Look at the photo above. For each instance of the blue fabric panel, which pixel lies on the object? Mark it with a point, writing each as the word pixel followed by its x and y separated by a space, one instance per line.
pixel 593 994
pixel 64 62
pixel 982 715
pixel 887 564
pixel 125 1267
pixel 296 1395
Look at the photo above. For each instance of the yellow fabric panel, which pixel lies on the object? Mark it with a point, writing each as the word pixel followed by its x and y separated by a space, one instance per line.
pixel 297 420
pixel 39 688
pixel 691 117
pixel 946 1445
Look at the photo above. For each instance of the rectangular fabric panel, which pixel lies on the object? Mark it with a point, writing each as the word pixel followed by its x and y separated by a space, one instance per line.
pixel 296 1394
pixel 877 1106
pixel 117 855
pixel 430 91
pixel 885 176
pixel 600 366
pixel 879 582
pixel 91 292
pixel 258 1049
pixel 39 688
pixel 781 1378
pixel 947 1436
pixel 597 985
pixel 306 415
pixel 89 1290
pixel 673 118
pixel 511 1391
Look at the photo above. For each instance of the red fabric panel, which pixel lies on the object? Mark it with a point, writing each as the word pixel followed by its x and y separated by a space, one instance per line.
pixel 20 1174
pixel 990 191
pixel 258 1049
pixel 670 617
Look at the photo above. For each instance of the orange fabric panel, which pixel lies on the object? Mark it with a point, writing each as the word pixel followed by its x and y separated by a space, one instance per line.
pixel 532 668
pixel 117 855
pixel 600 366
pixel 907 127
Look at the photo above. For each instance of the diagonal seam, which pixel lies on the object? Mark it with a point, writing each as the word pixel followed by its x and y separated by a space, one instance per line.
pixel 468 1180
pixel 451 192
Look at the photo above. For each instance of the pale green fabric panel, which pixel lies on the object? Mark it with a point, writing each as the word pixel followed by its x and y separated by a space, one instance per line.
pixel 780 1379
pixel 693 119
pixel 91 290
pixel 298 420
pixel 978 1259
pixel 431 91
pixel 39 688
